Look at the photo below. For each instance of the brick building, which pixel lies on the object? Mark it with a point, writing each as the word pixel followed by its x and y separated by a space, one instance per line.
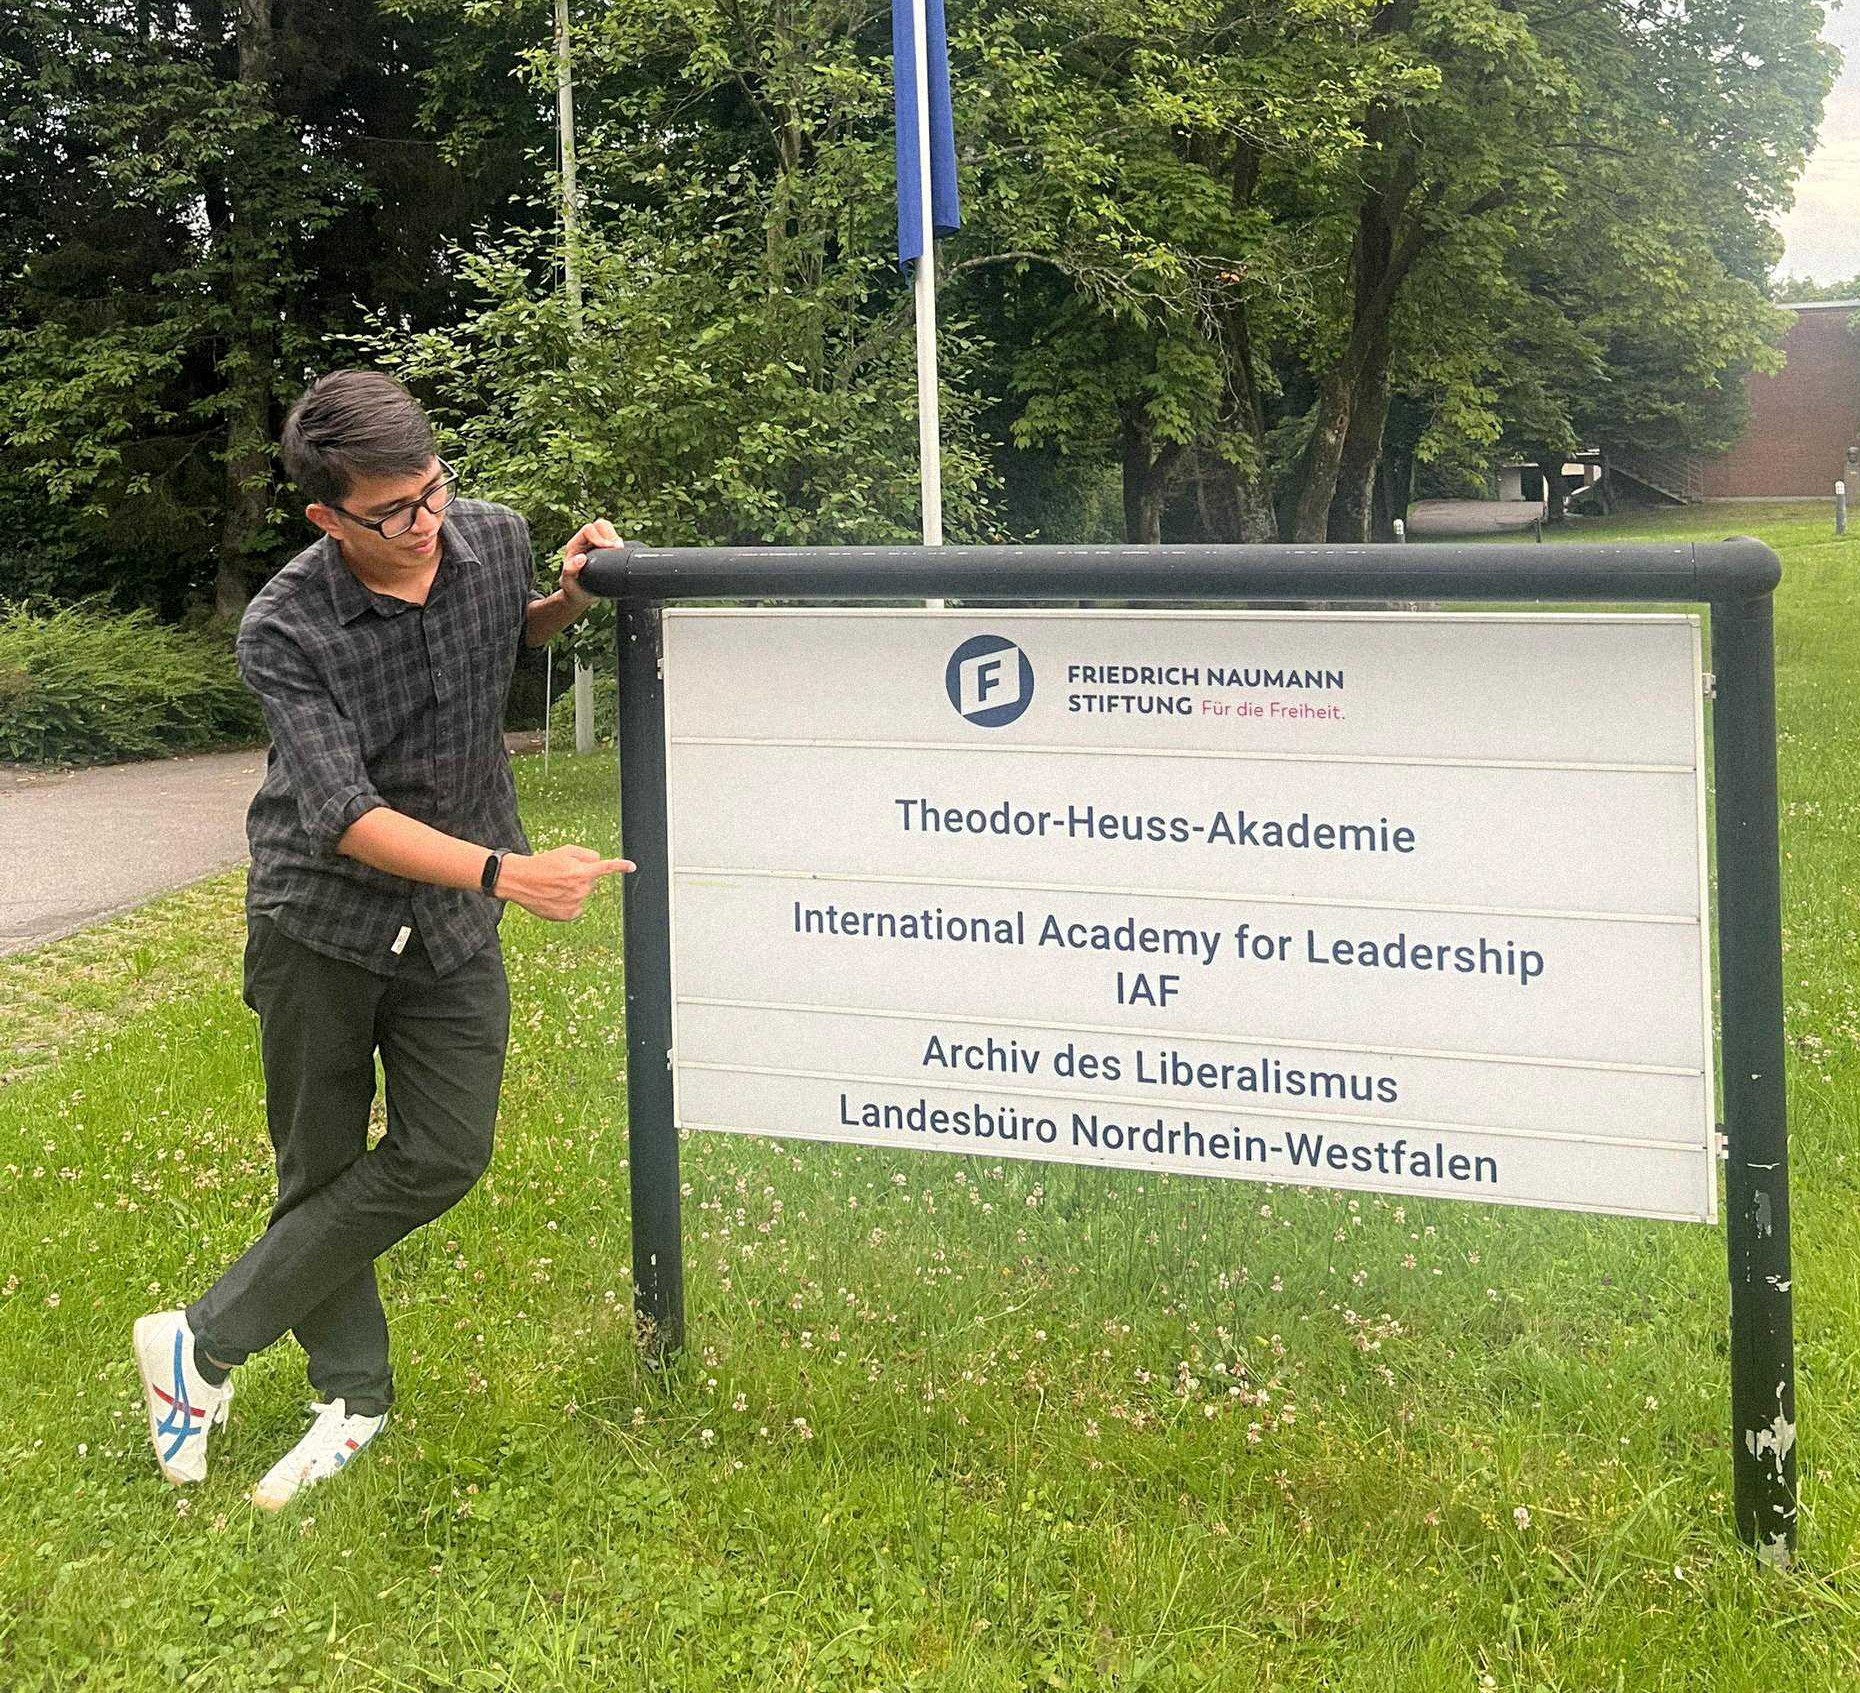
pixel 1802 420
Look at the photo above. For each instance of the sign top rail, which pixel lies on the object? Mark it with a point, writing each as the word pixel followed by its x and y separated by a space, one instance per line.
pixel 1735 569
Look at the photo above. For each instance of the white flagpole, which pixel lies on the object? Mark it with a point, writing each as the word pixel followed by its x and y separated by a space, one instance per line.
pixel 571 280
pixel 929 415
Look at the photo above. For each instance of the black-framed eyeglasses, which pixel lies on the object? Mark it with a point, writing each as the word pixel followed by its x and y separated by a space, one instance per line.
pixel 401 519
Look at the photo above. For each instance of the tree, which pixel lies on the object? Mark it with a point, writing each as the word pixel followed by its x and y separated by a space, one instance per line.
pixel 197 198
pixel 1530 221
pixel 1795 289
pixel 1452 160
pixel 1586 222
pixel 744 373
pixel 1210 251
pixel 1136 238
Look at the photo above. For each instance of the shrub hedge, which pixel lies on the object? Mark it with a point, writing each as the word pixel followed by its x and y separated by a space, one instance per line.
pixel 82 684
pixel 562 712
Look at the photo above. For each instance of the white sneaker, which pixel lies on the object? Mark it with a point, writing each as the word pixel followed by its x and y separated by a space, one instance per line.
pixel 183 1405
pixel 334 1438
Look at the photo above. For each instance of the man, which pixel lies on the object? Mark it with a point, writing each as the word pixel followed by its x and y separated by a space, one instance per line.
pixel 385 842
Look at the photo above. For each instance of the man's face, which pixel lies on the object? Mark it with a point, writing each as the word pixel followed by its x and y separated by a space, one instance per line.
pixel 388 500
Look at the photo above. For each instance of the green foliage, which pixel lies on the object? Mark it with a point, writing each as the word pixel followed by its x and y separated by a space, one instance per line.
pixel 1216 241
pixel 195 200
pixel 1141 222
pixel 1796 289
pixel 1632 305
pixel 606 713
pixel 1209 249
pixel 695 405
pixel 83 685
pixel 741 369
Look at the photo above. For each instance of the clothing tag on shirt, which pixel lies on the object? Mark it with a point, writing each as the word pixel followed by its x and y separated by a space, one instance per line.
pixel 401 940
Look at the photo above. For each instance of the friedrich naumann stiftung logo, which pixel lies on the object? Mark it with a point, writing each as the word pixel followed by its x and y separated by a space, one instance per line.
pixel 990 680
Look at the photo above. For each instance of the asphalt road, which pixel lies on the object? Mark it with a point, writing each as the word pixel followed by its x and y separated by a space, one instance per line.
pixel 86 844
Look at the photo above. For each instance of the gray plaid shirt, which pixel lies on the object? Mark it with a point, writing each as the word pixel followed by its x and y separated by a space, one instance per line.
pixel 373 701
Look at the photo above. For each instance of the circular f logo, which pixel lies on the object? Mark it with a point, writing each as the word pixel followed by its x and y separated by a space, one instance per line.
pixel 990 680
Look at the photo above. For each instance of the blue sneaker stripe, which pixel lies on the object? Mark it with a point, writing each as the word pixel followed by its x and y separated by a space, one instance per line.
pixel 180 1418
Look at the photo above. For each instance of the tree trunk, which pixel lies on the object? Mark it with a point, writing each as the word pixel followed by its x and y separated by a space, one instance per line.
pixel 1352 514
pixel 1556 489
pixel 1388 239
pixel 1323 455
pixel 1233 506
pixel 1553 485
pixel 1394 481
pixel 1146 482
pixel 1241 498
pixel 246 369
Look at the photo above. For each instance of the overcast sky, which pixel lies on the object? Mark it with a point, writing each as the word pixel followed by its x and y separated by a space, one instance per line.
pixel 1822 233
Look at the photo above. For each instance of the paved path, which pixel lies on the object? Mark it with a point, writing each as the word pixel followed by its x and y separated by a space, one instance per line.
pixel 81 845
pixel 86 844
pixel 1512 518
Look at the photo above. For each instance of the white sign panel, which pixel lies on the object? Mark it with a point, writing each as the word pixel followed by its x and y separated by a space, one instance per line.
pixel 1409 904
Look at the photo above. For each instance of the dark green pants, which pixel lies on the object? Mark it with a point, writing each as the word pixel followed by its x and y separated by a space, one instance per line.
pixel 340 1206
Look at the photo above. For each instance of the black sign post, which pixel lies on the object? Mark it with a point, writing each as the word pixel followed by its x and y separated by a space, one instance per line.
pixel 652 1139
pixel 1755 1106
pixel 1737 579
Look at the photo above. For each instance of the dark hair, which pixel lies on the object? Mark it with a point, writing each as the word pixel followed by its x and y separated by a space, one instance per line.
pixel 350 424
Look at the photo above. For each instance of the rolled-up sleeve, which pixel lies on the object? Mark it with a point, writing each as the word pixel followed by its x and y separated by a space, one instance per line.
pixel 317 745
pixel 523 562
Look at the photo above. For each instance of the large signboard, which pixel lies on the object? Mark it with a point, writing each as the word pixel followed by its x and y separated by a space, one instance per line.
pixel 1408 904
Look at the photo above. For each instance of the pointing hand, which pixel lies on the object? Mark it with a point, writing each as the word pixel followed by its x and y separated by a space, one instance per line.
pixel 555 884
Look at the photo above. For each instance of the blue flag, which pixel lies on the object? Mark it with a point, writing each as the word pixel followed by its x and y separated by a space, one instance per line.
pixel 945 214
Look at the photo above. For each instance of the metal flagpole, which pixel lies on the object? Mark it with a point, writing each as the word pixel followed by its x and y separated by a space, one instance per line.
pixel 571 282
pixel 929 412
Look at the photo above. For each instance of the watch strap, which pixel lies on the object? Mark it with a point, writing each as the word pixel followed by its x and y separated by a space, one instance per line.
pixel 487 880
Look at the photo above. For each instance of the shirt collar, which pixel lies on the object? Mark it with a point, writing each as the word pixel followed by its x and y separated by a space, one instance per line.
pixel 345 589
pixel 456 557
pixel 352 596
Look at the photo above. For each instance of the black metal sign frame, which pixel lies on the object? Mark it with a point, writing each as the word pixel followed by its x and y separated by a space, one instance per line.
pixel 1736 579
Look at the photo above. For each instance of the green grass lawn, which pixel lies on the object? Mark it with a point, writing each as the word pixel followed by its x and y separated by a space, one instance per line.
pixel 943 1423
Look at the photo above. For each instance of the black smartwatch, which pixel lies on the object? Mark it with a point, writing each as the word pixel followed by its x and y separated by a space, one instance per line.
pixel 493 864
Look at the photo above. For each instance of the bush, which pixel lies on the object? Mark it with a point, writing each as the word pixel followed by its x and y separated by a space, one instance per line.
pixel 84 685
pixel 562 712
